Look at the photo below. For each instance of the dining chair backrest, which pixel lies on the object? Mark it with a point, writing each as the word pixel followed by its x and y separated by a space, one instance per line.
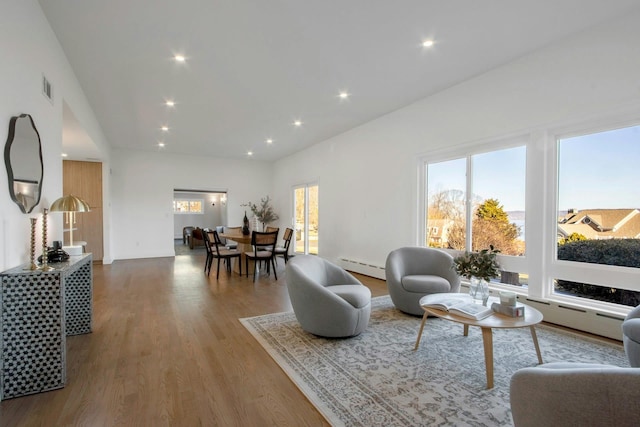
pixel 264 240
pixel 288 233
pixel 271 229
pixel 207 236
pixel 217 243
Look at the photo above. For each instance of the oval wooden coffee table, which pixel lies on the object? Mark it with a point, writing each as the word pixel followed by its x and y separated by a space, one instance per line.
pixel 531 318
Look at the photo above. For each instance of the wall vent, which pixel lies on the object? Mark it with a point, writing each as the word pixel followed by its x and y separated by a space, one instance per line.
pixel 47 89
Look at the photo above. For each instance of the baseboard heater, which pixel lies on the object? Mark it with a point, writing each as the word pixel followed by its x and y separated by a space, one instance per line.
pixel 363 268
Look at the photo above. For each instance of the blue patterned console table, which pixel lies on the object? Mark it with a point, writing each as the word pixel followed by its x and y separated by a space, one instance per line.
pixel 38 310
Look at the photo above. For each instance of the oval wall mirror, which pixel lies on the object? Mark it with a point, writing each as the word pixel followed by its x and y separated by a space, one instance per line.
pixel 23 159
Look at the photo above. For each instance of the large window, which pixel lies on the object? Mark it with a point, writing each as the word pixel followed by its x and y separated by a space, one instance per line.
pixel 581 246
pixel 599 209
pixel 478 201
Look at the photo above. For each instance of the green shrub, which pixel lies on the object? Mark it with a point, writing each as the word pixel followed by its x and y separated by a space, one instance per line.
pixel 619 252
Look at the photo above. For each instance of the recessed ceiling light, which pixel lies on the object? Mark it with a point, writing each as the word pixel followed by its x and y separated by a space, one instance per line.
pixel 343 95
pixel 64 154
pixel 179 58
pixel 427 43
pixel 160 144
pixel 297 123
pixel 165 128
pixel 170 103
pixel 269 141
pixel 249 153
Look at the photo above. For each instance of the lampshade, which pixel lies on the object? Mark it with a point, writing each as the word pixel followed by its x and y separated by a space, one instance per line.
pixel 70 203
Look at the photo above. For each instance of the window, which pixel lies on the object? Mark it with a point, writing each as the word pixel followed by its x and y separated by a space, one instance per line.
pixel 598 213
pixel 188 206
pixel 488 209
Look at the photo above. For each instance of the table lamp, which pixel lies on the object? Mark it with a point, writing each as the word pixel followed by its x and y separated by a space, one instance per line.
pixel 70 205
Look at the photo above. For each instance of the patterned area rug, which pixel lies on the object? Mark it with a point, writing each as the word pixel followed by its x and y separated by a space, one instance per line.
pixel 376 379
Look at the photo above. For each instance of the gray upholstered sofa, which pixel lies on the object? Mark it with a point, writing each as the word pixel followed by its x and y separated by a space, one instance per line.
pixel 631 336
pixel 575 394
pixel 327 300
pixel 413 272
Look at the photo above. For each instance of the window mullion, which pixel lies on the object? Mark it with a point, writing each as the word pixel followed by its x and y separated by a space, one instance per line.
pixel 468 203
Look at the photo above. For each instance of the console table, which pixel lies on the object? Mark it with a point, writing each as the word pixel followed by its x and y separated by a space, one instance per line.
pixel 38 310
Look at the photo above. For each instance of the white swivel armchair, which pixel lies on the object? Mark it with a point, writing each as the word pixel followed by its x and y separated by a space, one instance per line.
pixel 413 272
pixel 631 336
pixel 327 300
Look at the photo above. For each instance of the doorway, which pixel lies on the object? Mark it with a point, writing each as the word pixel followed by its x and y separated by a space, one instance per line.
pixel 305 202
pixel 196 208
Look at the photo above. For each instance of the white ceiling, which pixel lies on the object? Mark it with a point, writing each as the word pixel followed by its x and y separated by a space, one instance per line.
pixel 255 66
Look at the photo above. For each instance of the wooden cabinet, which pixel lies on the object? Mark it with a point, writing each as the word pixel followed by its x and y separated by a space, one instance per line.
pixel 84 180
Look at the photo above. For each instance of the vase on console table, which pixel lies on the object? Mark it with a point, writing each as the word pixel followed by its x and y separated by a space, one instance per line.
pixel 245 224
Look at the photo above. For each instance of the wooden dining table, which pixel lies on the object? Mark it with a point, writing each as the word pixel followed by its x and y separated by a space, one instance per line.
pixel 244 245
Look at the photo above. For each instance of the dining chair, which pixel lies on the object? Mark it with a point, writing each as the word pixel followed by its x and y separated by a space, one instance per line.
pixel 208 237
pixel 284 250
pixel 219 252
pixel 261 242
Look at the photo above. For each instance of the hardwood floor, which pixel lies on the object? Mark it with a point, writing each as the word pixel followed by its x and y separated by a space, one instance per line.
pixel 167 349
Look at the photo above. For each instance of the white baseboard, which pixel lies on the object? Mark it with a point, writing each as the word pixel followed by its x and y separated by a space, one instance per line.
pixel 363 268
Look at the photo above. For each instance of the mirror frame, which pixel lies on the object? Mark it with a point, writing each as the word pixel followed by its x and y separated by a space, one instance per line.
pixel 7 161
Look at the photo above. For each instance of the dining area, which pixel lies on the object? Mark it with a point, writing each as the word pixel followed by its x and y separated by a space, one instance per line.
pixel 255 253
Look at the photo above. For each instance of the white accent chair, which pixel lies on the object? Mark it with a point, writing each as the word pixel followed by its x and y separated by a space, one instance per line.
pixel 575 394
pixel 413 272
pixel 631 336
pixel 327 300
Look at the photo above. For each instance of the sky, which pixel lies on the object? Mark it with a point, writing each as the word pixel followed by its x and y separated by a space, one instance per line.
pixel 600 170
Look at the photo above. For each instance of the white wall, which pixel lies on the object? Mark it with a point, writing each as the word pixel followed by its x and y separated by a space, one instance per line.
pixel 30 49
pixel 368 176
pixel 142 195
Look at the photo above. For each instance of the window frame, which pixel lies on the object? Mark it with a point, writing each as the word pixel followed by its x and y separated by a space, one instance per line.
pixel 188 201
pixel 541 207
pixel 598 274
pixel 507 262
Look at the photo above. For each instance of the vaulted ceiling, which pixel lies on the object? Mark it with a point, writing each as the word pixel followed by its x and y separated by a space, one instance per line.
pixel 254 67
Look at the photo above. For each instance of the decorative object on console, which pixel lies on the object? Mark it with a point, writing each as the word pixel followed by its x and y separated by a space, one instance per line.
pixel 23 160
pixel 479 268
pixel 32 252
pixel 55 254
pixel 70 205
pixel 45 249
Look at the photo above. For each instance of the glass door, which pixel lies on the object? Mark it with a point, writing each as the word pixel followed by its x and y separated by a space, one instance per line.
pixel 305 202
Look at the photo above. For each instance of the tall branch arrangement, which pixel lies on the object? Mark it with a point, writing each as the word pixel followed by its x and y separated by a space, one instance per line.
pixel 263 211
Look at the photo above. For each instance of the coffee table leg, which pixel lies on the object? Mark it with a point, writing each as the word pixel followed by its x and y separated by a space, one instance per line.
pixel 487 341
pixel 535 343
pixel 424 319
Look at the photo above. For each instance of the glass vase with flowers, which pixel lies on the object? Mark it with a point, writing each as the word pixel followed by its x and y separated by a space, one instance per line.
pixel 479 268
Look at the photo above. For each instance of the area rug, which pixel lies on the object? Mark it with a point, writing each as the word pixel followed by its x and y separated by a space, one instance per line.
pixel 377 379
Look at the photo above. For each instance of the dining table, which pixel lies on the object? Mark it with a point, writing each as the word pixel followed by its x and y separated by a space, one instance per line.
pixel 244 245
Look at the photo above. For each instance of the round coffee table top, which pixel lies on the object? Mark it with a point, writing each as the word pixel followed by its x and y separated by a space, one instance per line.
pixel 496 320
